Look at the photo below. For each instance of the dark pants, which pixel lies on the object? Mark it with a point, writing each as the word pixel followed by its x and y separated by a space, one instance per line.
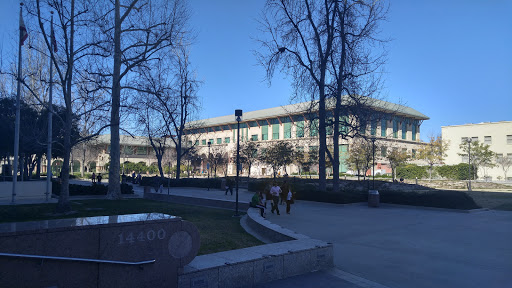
pixel 230 190
pixel 275 204
pixel 288 202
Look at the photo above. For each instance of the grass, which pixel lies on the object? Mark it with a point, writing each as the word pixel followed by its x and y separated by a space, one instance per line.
pixel 218 229
pixel 492 199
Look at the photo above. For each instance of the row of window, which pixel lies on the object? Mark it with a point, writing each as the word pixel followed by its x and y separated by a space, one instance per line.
pixel 131 150
pixel 487 139
pixel 313 131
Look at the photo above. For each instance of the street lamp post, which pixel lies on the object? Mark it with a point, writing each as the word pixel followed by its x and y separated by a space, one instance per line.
pixel 469 164
pixel 238 117
pixel 208 164
pixel 373 159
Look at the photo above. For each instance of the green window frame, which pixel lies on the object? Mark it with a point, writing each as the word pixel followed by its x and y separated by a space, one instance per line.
pixel 254 137
pixel 313 131
pixel 219 140
pixel 142 150
pixel 203 142
pixel 413 153
pixel 264 132
pixel 211 141
pixel 395 128
pixel 128 150
pixel 196 143
pixel 343 128
pixel 404 130
pixel 287 130
pixel 226 140
pixel 414 132
pixel 275 131
pixel 299 129
pixel 383 151
pixel 362 128
pixel 383 127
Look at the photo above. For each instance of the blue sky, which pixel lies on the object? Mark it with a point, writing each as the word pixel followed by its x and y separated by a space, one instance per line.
pixel 449 60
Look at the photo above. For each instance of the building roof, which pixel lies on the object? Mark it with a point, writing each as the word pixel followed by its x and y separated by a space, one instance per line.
pixel 481 123
pixel 126 140
pixel 298 108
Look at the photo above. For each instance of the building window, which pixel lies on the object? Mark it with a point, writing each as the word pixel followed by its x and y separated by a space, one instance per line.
pixel 383 151
pixel 487 139
pixel 189 143
pixel 383 127
pixel 509 156
pixel 413 153
pixel 219 140
pixel 210 141
pixel 414 127
pixel 313 131
pixel 300 129
pixel 128 150
pixel 395 128
pixel 275 131
pixel 264 132
pixel 226 140
pixel 374 127
pixel 203 142
pixel 254 137
pixel 474 139
pixel 142 150
pixel 196 143
pixel 463 140
pixel 287 130
pixel 404 150
pixel 509 139
pixel 344 125
pixel 404 130
pixel 362 128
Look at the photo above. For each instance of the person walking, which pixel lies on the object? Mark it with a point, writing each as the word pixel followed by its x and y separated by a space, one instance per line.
pixel 229 186
pixel 99 178
pixel 93 177
pixel 275 191
pixel 289 200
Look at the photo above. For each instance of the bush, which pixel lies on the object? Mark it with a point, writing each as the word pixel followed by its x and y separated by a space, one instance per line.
pixel 436 198
pixel 411 171
pixel 183 182
pixel 77 190
pixel 456 172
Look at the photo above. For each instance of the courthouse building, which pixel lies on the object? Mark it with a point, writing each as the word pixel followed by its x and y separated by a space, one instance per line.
pixel 498 135
pixel 395 127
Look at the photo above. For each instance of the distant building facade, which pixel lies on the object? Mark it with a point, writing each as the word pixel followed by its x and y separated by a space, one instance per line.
pixel 397 127
pixel 498 135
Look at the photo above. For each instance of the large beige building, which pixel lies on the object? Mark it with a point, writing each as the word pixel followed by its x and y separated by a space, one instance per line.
pixel 395 127
pixel 498 135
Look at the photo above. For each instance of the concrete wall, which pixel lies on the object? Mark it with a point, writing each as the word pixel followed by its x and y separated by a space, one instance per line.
pixel 25 190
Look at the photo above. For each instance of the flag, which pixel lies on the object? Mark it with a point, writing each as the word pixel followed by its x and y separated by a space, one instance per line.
pixel 23 31
pixel 54 42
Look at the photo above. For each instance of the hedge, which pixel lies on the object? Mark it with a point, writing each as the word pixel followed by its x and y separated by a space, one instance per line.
pixel 456 172
pixel 411 171
pixel 77 190
pixel 155 181
pixel 356 191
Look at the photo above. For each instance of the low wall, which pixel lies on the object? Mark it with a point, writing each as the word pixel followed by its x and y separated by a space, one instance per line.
pixel 25 189
pixel 106 251
pixel 207 202
pixel 294 254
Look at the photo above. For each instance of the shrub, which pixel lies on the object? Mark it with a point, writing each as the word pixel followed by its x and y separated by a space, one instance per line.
pixel 76 190
pixel 411 171
pixel 456 172
pixel 435 198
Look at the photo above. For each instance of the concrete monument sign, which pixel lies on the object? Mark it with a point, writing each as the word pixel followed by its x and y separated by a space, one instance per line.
pixel 137 250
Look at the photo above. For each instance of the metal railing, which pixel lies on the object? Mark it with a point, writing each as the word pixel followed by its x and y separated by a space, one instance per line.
pixel 76 259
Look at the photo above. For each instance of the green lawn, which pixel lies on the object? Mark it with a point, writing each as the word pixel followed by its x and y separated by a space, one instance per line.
pixel 219 230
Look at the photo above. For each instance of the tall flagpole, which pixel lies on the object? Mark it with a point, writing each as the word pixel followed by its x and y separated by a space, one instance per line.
pixel 50 120
pixel 17 124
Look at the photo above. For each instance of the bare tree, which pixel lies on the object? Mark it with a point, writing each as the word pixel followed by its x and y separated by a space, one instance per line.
pixel 248 155
pixel 136 33
pixel 277 155
pixel 434 152
pixel 505 163
pixel 396 157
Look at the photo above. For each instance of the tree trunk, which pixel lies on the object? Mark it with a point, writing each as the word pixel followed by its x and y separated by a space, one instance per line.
pixel 323 143
pixel 114 187
pixel 38 167
pixel 159 163
pixel 64 205
pixel 178 159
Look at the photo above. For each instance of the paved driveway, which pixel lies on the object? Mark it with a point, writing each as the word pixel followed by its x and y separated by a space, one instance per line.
pixel 411 247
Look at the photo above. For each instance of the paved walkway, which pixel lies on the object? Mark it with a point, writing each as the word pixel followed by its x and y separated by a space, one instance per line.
pixel 411 247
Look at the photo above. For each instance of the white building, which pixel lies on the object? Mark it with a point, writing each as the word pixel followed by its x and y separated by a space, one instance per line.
pixel 498 135
pixel 394 126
